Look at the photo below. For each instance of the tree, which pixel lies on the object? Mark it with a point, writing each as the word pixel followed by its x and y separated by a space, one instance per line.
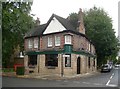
pixel 73 18
pixel 98 27
pixel 16 21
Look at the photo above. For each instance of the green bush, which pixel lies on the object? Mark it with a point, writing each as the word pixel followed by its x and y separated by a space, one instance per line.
pixel 20 70
pixel 8 70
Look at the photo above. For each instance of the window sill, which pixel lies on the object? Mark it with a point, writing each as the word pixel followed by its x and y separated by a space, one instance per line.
pixel 49 46
pixel 32 66
pixel 68 43
pixel 68 66
pixel 35 48
pixel 57 45
pixel 29 48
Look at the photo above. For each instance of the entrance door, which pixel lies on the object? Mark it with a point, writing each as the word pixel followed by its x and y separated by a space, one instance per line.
pixel 78 65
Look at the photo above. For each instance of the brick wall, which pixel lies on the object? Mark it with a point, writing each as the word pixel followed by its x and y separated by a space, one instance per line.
pixel 26 44
pixel 70 71
pixel 44 70
pixel 45 42
pixel 78 43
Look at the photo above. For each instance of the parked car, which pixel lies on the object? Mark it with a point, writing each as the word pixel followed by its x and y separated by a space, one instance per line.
pixel 117 65
pixel 105 68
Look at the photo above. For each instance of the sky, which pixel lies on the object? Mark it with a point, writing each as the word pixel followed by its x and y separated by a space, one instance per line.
pixel 43 9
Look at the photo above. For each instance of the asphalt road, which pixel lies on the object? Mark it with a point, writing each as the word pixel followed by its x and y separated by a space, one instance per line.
pixel 109 79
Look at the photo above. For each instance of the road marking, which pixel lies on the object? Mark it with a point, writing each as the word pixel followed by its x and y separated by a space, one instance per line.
pixel 110 79
pixel 113 74
pixel 108 82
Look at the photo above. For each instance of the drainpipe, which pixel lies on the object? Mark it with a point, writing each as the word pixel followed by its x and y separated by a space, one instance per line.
pixel 38 56
pixel 62 72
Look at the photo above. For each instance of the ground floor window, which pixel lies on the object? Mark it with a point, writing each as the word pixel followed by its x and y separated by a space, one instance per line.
pixel 32 60
pixel 89 62
pixel 51 60
pixel 68 60
pixel 94 62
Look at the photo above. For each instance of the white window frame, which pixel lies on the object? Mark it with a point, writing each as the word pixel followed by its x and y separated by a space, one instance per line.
pixel 68 39
pixel 89 47
pixel 49 41
pixel 57 40
pixel 68 60
pixel 35 43
pixel 30 43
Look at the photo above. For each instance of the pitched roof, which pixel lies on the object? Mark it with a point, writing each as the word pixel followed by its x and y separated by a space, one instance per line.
pixel 65 22
pixel 37 31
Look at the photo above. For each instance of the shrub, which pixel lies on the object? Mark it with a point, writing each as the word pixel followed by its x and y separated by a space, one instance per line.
pixel 20 70
pixel 8 70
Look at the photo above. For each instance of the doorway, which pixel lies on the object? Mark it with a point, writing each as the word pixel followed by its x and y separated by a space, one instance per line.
pixel 78 65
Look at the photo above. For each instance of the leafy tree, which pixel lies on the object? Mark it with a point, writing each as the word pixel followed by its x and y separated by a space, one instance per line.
pixel 16 21
pixel 98 27
pixel 73 18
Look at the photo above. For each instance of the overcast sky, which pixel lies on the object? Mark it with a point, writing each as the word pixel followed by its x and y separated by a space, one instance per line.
pixel 45 8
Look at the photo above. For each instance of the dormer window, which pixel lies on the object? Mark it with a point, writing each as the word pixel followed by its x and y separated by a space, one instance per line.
pixel 49 41
pixel 68 39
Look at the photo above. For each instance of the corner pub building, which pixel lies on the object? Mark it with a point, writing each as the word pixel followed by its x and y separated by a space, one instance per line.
pixel 57 48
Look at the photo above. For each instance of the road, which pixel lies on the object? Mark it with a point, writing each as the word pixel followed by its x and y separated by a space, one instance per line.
pixel 109 79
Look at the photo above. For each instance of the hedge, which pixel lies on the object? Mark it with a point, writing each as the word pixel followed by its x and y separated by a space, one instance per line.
pixel 20 70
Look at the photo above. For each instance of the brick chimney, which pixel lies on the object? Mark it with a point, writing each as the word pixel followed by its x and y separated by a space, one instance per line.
pixel 38 21
pixel 81 23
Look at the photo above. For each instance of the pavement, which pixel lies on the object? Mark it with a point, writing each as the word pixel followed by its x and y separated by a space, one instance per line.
pixel 47 77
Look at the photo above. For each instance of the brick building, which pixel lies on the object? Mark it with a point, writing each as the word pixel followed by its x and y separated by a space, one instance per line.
pixel 57 48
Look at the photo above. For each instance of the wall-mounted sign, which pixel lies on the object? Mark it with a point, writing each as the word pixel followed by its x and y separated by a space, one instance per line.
pixel 66 55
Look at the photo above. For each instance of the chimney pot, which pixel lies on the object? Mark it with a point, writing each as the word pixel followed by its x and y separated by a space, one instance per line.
pixel 38 21
pixel 80 9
